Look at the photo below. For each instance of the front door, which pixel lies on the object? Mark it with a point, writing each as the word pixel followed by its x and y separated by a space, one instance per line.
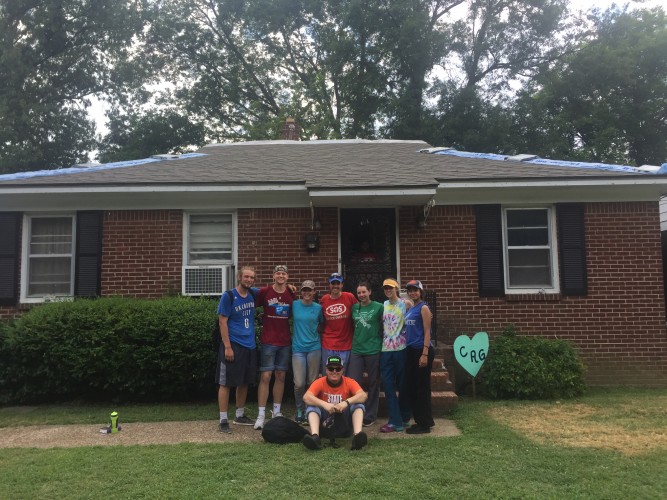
pixel 368 248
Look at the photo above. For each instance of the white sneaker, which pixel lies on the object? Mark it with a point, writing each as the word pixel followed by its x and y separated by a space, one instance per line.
pixel 274 415
pixel 259 423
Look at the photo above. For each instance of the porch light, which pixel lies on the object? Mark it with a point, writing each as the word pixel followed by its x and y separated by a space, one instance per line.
pixel 312 242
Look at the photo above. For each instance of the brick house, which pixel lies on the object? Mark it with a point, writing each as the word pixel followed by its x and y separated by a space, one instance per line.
pixel 558 251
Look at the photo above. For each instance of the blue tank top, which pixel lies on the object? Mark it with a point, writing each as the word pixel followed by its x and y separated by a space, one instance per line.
pixel 414 326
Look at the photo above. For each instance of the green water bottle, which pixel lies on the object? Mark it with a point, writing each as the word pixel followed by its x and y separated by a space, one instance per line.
pixel 114 422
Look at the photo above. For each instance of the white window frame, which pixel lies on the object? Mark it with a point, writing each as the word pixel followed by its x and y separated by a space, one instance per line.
pixel 186 238
pixel 553 248
pixel 25 258
pixel 214 266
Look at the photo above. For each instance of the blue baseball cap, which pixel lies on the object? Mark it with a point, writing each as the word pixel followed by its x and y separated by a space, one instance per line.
pixel 336 277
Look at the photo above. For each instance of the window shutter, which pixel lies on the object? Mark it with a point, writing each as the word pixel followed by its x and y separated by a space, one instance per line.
pixel 10 228
pixel 490 251
pixel 572 248
pixel 87 282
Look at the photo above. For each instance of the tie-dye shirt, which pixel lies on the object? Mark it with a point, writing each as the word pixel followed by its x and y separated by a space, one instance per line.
pixel 394 338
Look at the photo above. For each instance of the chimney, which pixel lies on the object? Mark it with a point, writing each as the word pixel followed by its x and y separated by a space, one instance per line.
pixel 291 130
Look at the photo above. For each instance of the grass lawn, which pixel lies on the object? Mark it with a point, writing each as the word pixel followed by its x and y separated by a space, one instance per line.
pixel 608 444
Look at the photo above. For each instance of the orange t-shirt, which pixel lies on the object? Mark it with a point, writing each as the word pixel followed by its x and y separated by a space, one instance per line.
pixel 334 395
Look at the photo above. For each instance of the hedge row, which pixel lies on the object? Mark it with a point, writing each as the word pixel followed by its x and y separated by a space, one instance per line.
pixel 111 349
pixel 527 367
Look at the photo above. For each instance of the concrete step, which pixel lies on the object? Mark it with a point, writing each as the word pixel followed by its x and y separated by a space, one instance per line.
pixel 442 403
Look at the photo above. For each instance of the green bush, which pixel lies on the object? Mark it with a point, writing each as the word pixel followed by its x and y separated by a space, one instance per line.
pixel 112 349
pixel 531 368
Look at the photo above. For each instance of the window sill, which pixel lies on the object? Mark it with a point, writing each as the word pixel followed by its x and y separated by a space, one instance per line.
pixel 533 297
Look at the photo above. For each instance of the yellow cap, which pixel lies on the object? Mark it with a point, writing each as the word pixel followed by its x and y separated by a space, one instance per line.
pixel 391 282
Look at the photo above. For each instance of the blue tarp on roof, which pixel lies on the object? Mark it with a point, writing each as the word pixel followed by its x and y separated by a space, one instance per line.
pixel 466 154
pixel 546 161
pixel 583 164
pixel 96 168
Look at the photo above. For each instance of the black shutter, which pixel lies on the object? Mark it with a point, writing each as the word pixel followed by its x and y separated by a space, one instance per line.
pixel 10 230
pixel 572 248
pixel 88 254
pixel 490 251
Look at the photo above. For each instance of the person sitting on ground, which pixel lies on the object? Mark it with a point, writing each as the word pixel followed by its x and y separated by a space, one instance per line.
pixel 334 396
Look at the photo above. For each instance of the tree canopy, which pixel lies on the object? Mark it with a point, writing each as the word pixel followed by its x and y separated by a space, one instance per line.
pixel 484 75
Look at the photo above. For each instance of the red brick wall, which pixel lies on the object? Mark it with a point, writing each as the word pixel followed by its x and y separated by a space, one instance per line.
pixel 619 326
pixel 142 253
pixel 267 237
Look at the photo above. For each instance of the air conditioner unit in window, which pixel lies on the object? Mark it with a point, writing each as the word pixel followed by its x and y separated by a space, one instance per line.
pixel 205 280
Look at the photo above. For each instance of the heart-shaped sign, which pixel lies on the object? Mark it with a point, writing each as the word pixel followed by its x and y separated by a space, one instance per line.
pixel 471 353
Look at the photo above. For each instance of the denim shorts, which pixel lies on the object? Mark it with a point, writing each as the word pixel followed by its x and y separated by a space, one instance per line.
pixel 274 358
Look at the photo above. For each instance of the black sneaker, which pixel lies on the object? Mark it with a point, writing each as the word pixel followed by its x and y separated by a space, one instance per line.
pixel 312 442
pixel 418 429
pixel 243 420
pixel 359 441
pixel 224 427
pixel 368 423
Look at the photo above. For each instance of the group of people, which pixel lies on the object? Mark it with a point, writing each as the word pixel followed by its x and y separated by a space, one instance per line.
pixel 340 337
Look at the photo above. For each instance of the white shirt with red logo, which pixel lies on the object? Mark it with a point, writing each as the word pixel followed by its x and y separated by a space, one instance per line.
pixel 338 326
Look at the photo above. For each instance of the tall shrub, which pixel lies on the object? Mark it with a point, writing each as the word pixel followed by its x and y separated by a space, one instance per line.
pixel 110 349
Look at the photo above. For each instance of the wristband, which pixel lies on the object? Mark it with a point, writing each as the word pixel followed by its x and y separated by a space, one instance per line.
pixel 348 403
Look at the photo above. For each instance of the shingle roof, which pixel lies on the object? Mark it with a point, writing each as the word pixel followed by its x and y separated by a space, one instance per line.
pixel 318 165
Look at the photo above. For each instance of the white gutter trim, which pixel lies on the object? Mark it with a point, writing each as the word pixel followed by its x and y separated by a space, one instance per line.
pixel 560 183
pixel 154 189
pixel 372 192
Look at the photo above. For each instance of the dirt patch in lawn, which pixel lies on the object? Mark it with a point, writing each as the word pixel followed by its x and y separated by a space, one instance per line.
pixel 72 436
pixel 581 426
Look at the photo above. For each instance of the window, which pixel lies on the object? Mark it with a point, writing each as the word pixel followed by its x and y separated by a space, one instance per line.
pixel 208 253
pixel 530 256
pixel 210 239
pixel 517 250
pixel 48 244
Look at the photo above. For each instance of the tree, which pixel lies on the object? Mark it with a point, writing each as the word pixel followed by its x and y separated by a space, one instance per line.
pixel 608 101
pixel 497 42
pixel 54 54
pixel 155 132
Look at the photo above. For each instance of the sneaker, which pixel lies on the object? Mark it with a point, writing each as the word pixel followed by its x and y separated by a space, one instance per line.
pixel 274 415
pixel 406 425
pixel 312 442
pixel 224 427
pixel 418 429
pixel 242 420
pixel 368 423
pixel 300 418
pixel 359 441
pixel 390 428
pixel 259 424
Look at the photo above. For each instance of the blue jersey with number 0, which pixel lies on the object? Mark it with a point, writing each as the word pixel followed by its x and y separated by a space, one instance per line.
pixel 240 318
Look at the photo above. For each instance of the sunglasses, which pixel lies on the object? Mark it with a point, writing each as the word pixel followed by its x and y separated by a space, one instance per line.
pixel 388 287
pixel 334 368
pixel 306 289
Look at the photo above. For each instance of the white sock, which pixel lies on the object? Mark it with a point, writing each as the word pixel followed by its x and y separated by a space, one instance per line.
pixel 276 408
pixel 223 416
pixel 240 412
pixel 261 411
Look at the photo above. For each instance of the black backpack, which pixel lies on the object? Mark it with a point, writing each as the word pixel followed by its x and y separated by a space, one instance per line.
pixel 282 430
pixel 216 340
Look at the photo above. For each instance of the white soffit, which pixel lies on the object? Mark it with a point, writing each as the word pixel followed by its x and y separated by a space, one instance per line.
pixel 362 198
